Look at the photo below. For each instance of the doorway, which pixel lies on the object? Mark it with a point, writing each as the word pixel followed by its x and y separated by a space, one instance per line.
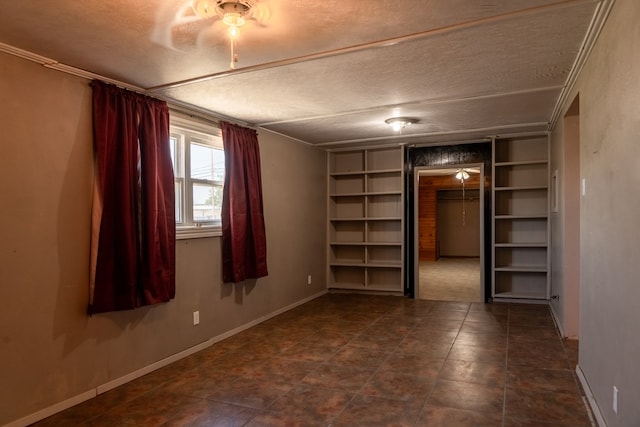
pixel 565 211
pixel 449 236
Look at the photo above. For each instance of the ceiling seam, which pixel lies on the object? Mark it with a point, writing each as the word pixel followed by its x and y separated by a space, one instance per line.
pixel 432 134
pixel 373 45
pixel 435 101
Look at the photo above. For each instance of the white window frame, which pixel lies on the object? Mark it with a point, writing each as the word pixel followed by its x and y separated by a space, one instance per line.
pixel 188 131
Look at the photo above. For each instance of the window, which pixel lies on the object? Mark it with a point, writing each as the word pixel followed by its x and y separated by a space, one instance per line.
pixel 198 165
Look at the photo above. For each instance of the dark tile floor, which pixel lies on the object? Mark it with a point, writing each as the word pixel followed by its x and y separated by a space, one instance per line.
pixel 361 360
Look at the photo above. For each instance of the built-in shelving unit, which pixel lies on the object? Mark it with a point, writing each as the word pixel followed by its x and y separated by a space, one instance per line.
pixel 366 220
pixel 521 230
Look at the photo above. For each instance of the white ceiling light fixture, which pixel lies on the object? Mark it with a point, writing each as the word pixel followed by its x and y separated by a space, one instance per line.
pixel 462 174
pixel 399 123
pixel 234 14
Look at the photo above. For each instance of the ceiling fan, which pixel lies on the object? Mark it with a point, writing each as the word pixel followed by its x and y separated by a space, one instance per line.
pixel 234 14
pixel 463 173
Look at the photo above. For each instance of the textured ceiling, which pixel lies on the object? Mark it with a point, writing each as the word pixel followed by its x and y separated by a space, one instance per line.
pixel 328 72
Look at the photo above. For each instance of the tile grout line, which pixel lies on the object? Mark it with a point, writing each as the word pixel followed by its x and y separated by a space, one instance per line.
pixel 331 421
pixel 424 405
pixel 506 367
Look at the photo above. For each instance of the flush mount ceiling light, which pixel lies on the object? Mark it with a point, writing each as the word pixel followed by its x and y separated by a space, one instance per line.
pixel 399 123
pixel 234 14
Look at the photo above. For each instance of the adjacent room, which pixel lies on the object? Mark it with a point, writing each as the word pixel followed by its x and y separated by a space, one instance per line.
pixel 356 213
pixel 449 230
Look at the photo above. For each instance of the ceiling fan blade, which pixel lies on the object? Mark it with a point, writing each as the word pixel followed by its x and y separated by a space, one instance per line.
pixel 260 13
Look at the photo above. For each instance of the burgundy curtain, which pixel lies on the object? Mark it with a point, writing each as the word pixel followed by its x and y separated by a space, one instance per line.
pixel 244 245
pixel 133 218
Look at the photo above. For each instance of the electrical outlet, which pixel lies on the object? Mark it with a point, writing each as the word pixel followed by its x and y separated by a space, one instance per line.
pixel 308 279
pixel 196 317
pixel 615 399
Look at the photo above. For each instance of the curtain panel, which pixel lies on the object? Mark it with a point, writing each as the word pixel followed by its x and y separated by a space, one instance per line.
pixel 133 215
pixel 244 245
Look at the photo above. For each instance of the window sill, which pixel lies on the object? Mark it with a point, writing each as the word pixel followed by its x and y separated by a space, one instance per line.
pixel 183 233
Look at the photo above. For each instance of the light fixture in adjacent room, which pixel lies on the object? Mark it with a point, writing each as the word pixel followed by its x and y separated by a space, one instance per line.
pixel 234 14
pixel 399 123
pixel 462 174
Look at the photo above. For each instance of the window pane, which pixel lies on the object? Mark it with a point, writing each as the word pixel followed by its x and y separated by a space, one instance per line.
pixel 207 201
pixel 218 165
pixel 172 147
pixel 207 163
pixel 201 162
pixel 179 219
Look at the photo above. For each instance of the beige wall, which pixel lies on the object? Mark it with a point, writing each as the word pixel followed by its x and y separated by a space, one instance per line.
pixel 457 239
pixel 50 351
pixel 609 92
pixel 565 224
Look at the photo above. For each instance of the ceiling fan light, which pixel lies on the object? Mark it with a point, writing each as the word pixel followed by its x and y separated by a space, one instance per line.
pixel 462 174
pixel 234 31
pixel 233 19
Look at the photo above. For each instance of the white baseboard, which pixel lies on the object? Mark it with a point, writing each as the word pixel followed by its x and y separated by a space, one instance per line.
pixel 590 399
pixel 110 385
pixel 68 403
pixel 53 409
pixel 556 320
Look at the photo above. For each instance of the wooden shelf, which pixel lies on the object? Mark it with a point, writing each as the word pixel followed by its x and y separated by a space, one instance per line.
pixel 351 173
pixel 375 172
pixel 523 268
pixel 522 188
pixel 384 193
pixel 347 264
pixel 387 244
pixel 520 217
pixel 520 245
pixel 520 295
pixel 348 194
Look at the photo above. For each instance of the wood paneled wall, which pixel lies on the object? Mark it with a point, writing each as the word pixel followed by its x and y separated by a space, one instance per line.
pixel 427 209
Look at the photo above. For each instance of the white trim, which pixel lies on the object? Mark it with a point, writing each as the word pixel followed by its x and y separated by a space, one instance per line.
pixel 53 409
pixel 184 233
pixel 556 320
pixel 188 352
pixel 603 8
pixel 590 398
pixel 110 385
